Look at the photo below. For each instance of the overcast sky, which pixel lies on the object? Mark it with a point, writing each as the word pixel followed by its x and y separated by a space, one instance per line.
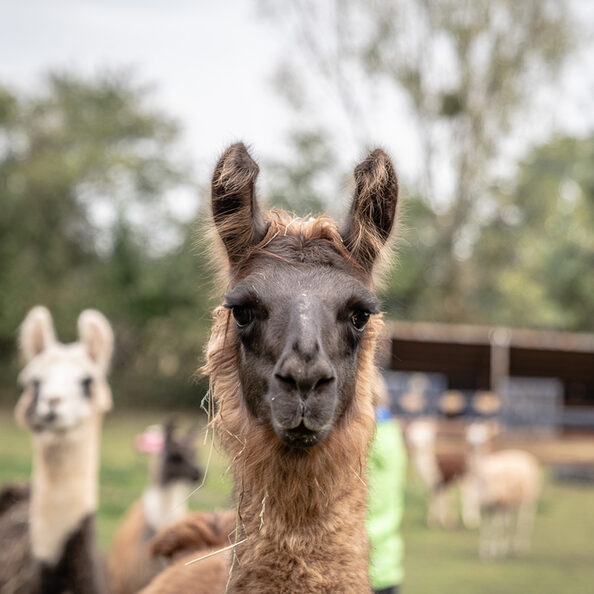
pixel 211 63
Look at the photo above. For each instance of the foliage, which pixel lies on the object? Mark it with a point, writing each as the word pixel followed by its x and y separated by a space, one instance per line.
pixel 468 74
pixel 295 182
pixel 85 169
pixel 541 242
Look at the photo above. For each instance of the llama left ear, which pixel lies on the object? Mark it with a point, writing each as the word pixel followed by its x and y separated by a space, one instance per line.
pixel 169 428
pixel 373 210
pixel 237 216
pixel 96 335
pixel 36 333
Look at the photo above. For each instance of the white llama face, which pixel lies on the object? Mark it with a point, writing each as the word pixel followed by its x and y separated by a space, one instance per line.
pixel 477 434
pixel 421 433
pixel 64 384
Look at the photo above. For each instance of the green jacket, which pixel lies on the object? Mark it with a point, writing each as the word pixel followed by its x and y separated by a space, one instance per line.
pixel 386 470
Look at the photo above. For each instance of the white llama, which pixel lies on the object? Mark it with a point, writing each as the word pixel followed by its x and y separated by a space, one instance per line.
pixel 507 485
pixel 65 395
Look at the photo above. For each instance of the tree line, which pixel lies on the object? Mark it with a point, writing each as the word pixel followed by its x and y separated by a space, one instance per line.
pixel 88 167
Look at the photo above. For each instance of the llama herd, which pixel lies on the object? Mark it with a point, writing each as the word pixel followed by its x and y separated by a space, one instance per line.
pixel 291 364
pixel 498 490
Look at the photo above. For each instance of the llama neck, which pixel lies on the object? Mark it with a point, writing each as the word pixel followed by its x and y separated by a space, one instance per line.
pixel 303 515
pixel 304 518
pixel 165 504
pixel 64 488
pixel 425 464
pixel 476 454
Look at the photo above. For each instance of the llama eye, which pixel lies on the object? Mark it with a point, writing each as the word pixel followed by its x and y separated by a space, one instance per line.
pixel 35 385
pixel 86 386
pixel 243 315
pixel 359 319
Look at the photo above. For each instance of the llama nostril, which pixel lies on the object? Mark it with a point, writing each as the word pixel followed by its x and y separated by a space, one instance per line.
pixel 54 401
pixel 286 381
pixel 323 381
pixel 304 385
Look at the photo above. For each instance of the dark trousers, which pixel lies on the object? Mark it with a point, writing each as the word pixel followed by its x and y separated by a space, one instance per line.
pixel 390 590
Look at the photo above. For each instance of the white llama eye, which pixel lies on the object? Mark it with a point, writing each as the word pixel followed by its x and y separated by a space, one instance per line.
pixel 86 384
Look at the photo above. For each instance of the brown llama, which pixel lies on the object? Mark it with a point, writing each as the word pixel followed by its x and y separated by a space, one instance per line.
pixel 291 365
pixel 174 471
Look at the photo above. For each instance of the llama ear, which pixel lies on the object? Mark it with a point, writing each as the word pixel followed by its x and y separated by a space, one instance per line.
pixel 169 428
pixel 235 210
pixel 373 210
pixel 36 333
pixel 96 335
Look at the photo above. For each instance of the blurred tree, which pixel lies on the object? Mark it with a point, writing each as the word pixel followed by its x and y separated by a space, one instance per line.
pixel 297 180
pixel 534 263
pixel 467 72
pixel 85 170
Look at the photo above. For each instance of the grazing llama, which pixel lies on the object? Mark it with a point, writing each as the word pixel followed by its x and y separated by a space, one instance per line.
pixel 174 472
pixel 64 399
pixel 291 365
pixel 507 485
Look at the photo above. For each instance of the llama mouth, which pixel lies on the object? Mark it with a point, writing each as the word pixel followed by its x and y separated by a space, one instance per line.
pixel 301 436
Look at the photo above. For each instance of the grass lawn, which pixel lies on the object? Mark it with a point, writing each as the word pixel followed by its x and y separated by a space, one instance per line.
pixel 437 562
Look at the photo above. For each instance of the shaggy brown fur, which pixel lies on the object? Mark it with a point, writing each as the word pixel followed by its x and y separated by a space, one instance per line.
pixel 196 532
pixel 300 512
pixel 131 565
pixel 209 576
pixel 197 535
pixel 303 515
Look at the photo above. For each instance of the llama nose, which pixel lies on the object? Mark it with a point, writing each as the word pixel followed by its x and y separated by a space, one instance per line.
pixel 53 401
pixel 306 378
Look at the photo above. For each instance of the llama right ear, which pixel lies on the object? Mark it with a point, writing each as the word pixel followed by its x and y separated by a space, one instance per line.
pixel 95 332
pixel 235 210
pixel 373 210
pixel 36 333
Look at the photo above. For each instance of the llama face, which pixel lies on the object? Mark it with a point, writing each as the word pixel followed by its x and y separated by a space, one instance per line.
pixel 300 295
pixel 178 459
pixel 299 328
pixel 64 385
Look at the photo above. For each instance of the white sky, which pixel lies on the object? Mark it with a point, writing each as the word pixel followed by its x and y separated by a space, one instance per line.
pixel 211 63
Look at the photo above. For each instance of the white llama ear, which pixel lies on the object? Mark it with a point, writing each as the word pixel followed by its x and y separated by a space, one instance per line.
pixel 96 335
pixel 36 333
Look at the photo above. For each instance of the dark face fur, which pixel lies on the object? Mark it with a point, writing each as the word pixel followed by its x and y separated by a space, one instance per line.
pixel 299 326
pixel 178 459
pixel 300 300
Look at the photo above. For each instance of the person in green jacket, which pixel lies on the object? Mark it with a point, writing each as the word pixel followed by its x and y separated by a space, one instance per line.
pixel 386 468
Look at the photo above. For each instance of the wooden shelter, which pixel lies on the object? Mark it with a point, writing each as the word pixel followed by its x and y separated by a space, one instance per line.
pixel 480 358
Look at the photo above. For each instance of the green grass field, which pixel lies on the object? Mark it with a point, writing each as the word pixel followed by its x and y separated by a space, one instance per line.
pixel 437 562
